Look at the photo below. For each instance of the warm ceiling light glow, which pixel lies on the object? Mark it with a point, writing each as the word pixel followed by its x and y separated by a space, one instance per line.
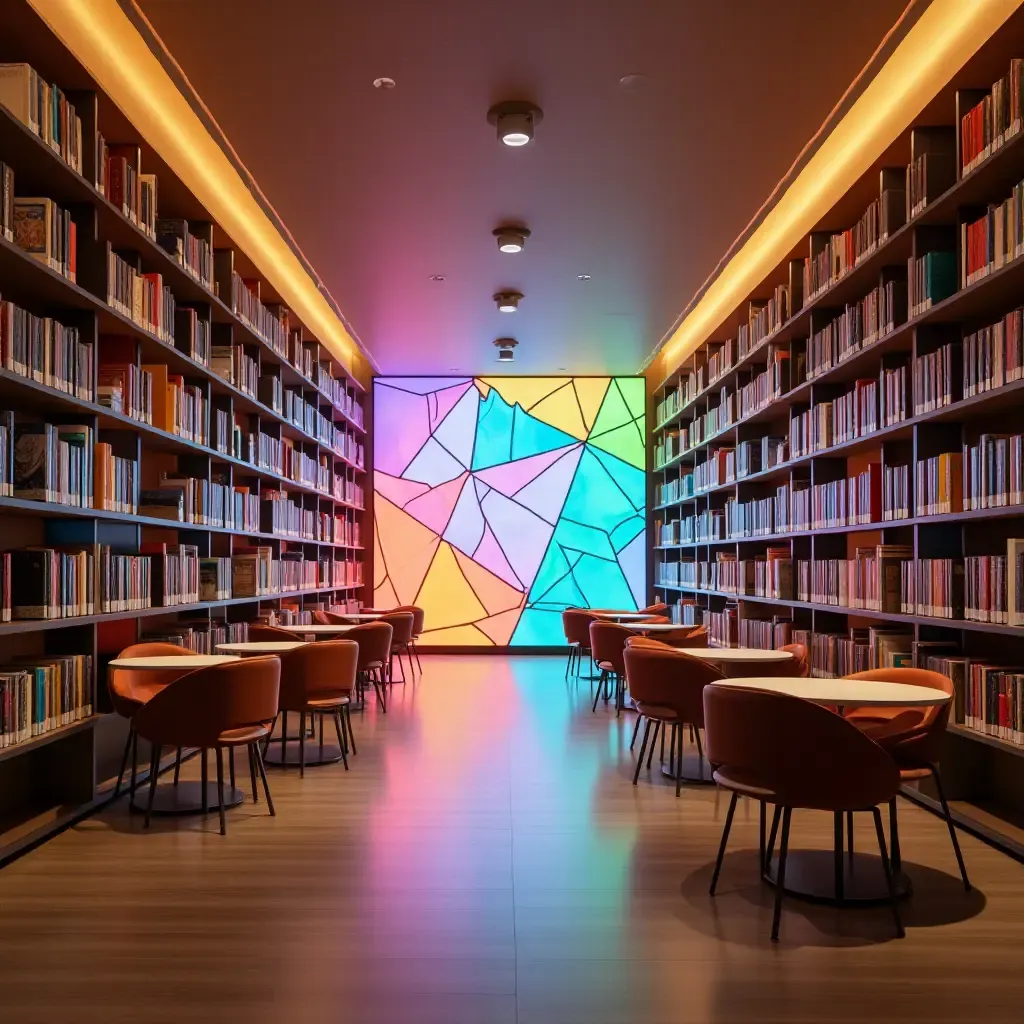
pixel 508 302
pixel 945 37
pixel 102 37
pixel 511 239
pixel 506 349
pixel 515 121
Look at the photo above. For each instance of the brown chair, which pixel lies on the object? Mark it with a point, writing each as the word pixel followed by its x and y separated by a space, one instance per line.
pixel 261 632
pixel 130 689
pixel 667 686
pixel 576 626
pixel 658 608
pixel 674 637
pixel 913 737
pixel 374 641
pixel 225 706
pixel 607 642
pixel 803 663
pixel 317 680
pixel 781 750
pixel 401 623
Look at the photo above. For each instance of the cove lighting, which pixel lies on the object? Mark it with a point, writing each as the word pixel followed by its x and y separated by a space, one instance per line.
pixel 943 39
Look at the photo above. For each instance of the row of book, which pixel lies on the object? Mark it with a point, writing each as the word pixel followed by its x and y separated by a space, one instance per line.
pixel 46 351
pixel 47 233
pixel 39 694
pixel 764 318
pixel 242 296
pixel 44 109
pixel 201 636
pixel 992 240
pixel 993 121
pixel 121 181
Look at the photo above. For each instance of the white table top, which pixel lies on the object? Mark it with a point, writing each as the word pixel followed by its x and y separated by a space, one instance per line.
pixel 170 661
pixel 737 654
pixel 261 647
pixel 851 693
pixel 655 627
pixel 362 616
pixel 318 630
pixel 622 616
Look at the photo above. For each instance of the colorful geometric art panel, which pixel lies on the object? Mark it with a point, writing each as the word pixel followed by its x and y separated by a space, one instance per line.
pixel 500 501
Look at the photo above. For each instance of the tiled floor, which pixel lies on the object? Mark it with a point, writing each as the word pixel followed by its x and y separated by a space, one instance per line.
pixel 487 860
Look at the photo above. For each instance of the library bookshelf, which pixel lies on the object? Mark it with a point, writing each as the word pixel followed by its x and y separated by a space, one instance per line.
pixel 233 441
pixel 839 463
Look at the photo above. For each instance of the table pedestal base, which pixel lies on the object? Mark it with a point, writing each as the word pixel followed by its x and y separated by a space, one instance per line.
pixel 694 769
pixel 184 798
pixel 314 759
pixel 810 875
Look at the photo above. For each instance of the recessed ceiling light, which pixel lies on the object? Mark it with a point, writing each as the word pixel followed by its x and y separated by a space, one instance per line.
pixel 515 121
pixel 506 349
pixel 437 277
pixel 583 277
pixel 508 302
pixel 383 83
pixel 511 239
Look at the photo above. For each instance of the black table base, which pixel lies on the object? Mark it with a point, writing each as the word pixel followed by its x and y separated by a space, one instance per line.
pixel 184 798
pixel 810 875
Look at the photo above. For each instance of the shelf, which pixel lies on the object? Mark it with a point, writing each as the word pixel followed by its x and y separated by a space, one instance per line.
pixel 48 737
pixel 983 737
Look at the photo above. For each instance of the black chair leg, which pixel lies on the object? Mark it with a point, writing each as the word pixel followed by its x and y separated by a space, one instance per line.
pixel 124 760
pixel 643 748
pixel 763 828
pixel 322 737
pixel 220 792
pixel 677 743
pixel 416 652
pixel 252 775
pixel 154 764
pixel 177 765
pixel 770 852
pixel 204 778
pixel 135 766
pixel 837 854
pixel 887 868
pixel 654 739
pixel 341 742
pixel 951 827
pixel 636 729
pixel 230 753
pixel 661 753
pixel 598 691
pixel 351 734
pixel 894 837
pixel 849 834
pixel 302 744
pixel 263 778
pixel 722 844
pixel 780 881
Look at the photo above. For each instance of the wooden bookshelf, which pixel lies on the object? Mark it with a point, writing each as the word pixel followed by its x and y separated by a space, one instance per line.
pixel 983 772
pixel 52 779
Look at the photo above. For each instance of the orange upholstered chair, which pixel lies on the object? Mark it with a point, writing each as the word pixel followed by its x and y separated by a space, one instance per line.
pixel 576 626
pixel 401 623
pixel 913 736
pixel 607 642
pixel 374 641
pixel 225 706
pixel 667 686
pixel 658 608
pixel 260 632
pixel 803 663
pixel 130 689
pixel 796 755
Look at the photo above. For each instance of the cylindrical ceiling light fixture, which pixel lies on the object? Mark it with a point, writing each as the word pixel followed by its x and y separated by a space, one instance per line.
pixel 506 349
pixel 508 302
pixel 511 239
pixel 515 121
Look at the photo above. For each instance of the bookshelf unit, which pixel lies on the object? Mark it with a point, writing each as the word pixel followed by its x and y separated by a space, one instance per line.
pixel 758 516
pixel 300 430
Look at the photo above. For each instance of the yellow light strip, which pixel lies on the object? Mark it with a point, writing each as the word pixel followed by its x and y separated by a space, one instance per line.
pixel 944 38
pixel 101 36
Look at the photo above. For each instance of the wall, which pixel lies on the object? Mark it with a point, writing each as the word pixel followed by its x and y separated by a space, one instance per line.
pixel 499 501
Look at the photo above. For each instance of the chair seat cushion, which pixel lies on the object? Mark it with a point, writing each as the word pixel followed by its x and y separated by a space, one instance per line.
pixel 743 782
pixel 244 734
pixel 326 703
pixel 658 712
pixel 606 666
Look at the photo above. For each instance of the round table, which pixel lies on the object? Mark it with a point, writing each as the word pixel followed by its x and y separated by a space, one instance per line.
pixel 813 874
pixel 181 797
pixel 261 647
pixel 331 630
pixel 361 616
pixel 654 627
pixel 622 616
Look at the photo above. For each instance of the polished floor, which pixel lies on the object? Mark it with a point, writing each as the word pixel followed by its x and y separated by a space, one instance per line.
pixel 487 861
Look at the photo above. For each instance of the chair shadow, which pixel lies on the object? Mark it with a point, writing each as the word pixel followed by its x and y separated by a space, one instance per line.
pixel 936 899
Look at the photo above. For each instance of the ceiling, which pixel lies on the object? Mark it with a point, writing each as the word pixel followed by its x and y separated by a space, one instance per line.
pixel 642 187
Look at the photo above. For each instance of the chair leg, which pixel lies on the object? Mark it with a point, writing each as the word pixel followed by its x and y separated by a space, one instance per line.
pixel 204 779
pixel 416 652
pixel 263 777
pixel 643 748
pixel 894 837
pixel 780 881
pixel 763 827
pixel 770 852
pixel 378 688
pixel 887 868
pixel 124 760
pixel 135 765
pixel 348 722
pixel 837 854
pixel 230 753
pixel 636 729
pixel 154 764
pixel 252 775
pixel 302 744
pixel 341 741
pixel 284 739
pixel 661 754
pixel 321 736
pixel 700 747
pixel 220 791
pixel 177 765
pixel 270 732
pixel 849 834
pixel 951 827
pixel 654 739
pixel 677 747
pixel 722 844
pixel 600 688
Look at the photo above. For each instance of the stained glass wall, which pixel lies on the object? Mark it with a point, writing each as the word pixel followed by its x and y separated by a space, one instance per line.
pixel 499 501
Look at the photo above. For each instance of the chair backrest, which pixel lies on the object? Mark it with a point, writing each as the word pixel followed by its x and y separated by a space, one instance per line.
pixel 658 608
pixel 417 616
pixel 803 663
pixel 576 626
pixel 194 710
pixel 320 670
pixel 401 625
pixel 260 631
pixel 374 641
pixel 805 754
pixel 697 637
pixel 608 641
pixel 669 677
pixel 648 643
pixel 920 729
pixel 122 683
pixel 661 620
